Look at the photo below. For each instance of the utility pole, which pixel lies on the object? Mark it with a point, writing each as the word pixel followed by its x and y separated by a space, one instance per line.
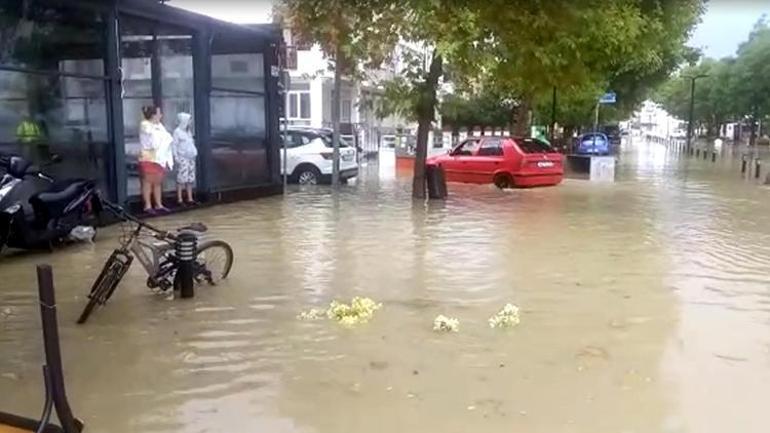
pixel 553 115
pixel 692 107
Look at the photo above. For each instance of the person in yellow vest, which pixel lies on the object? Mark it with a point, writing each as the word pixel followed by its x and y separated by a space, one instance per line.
pixel 30 136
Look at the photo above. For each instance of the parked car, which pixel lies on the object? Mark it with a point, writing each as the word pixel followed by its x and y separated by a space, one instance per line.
pixel 593 143
pixel 613 133
pixel 503 161
pixel 309 156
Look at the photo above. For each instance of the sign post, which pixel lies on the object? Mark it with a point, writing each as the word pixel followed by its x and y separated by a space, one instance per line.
pixel 607 98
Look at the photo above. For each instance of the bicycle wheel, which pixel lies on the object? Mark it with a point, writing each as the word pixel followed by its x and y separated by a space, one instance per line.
pixel 106 283
pixel 213 261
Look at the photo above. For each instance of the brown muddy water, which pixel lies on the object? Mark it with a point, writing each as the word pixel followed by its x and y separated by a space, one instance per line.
pixel 645 308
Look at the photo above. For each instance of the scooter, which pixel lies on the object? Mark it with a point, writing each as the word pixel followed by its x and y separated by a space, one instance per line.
pixel 38 212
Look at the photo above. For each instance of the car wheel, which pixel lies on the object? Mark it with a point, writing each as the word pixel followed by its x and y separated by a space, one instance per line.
pixel 503 181
pixel 308 176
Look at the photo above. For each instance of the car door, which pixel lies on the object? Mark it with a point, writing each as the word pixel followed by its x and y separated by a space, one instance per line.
pixel 456 166
pixel 487 160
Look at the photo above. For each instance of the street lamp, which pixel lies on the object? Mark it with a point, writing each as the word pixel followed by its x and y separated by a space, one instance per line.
pixel 692 105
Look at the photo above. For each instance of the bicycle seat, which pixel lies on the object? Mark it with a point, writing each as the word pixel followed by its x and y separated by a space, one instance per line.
pixel 194 227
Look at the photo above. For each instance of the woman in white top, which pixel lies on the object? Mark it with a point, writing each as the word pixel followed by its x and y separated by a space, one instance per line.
pixel 185 153
pixel 155 158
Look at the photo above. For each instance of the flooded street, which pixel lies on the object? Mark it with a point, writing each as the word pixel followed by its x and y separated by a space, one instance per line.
pixel 645 308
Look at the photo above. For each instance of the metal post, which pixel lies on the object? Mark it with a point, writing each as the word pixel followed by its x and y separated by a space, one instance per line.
pixel 697 153
pixel 692 109
pixel 714 156
pixel 705 154
pixel 185 248
pixel 52 350
pixel 757 168
pixel 596 118
pixel 743 164
pixel 553 114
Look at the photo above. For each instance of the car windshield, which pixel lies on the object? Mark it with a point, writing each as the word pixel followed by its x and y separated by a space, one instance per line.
pixel 590 139
pixel 533 145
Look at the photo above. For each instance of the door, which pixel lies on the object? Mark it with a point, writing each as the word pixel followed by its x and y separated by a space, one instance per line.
pixel 457 165
pixel 487 160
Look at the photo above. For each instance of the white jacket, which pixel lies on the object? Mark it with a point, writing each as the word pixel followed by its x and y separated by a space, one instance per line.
pixel 184 144
pixel 156 144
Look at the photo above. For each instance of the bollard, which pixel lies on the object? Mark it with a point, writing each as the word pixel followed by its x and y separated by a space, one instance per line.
pixel 185 248
pixel 743 164
pixel 714 156
pixel 757 168
pixel 434 176
pixel 705 154
pixel 697 153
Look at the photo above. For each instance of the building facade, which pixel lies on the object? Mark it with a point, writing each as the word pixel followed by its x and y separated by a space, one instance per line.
pixel 309 97
pixel 76 73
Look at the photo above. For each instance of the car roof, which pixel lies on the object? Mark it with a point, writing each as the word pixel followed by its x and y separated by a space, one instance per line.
pixel 590 134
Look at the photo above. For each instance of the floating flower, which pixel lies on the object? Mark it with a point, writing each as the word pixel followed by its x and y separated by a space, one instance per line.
pixel 312 314
pixel 445 324
pixel 360 310
pixel 508 317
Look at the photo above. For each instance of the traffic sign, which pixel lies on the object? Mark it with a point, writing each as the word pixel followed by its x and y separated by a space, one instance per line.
pixel 608 98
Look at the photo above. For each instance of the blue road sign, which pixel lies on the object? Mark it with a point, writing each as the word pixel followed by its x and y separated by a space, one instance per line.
pixel 608 98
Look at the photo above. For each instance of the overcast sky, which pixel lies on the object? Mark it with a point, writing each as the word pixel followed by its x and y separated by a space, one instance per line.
pixel 725 24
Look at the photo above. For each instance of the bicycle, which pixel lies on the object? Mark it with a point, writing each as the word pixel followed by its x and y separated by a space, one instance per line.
pixel 155 252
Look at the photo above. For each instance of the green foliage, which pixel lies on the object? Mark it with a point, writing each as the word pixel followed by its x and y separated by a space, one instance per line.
pixel 731 89
pixel 353 34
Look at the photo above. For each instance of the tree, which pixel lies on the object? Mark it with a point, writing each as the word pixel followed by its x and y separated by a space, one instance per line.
pixel 579 46
pixel 435 34
pixel 353 34
pixel 731 88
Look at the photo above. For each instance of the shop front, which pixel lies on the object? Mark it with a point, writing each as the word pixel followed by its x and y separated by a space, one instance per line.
pixel 74 76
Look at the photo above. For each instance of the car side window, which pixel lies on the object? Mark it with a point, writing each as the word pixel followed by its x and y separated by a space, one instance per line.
pixel 293 139
pixel 466 148
pixel 491 147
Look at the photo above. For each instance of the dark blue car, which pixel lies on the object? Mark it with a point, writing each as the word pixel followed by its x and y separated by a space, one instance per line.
pixel 593 143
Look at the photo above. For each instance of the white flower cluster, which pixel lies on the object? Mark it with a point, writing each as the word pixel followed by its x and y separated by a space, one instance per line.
pixel 446 324
pixel 360 310
pixel 508 317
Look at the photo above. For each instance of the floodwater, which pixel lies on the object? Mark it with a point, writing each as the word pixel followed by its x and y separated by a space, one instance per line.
pixel 645 308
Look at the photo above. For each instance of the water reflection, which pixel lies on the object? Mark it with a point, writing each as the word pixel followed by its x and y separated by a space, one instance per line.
pixel 644 308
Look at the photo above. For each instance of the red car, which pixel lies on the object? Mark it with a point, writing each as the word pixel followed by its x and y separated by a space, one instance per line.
pixel 505 161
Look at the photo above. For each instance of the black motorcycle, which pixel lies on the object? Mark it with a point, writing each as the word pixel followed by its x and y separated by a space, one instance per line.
pixel 36 211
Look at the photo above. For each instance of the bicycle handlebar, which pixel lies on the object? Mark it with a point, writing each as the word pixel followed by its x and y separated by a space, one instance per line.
pixel 121 213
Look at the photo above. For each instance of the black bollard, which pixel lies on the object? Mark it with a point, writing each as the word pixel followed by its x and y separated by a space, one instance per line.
pixel 436 180
pixel 705 154
pixel 714 156
pixel 185 248
pixel 743 164
pixel 757 168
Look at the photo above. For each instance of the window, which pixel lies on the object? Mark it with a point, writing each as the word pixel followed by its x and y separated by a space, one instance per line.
pixel 295 140
pixel 239 67
pixel 346 109
pixel 157 66
pixel 533 145
pixel 52 96
pixel 491 147
pixel 238 72
pixel 298 105
pixel 467 148
pixel 238 115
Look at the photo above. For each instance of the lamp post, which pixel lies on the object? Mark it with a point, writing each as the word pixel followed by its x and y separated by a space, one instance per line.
pixel 692 106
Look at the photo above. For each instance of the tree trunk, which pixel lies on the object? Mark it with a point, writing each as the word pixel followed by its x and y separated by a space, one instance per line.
pixel 521 126
pixel 425 116
pixel 336 103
